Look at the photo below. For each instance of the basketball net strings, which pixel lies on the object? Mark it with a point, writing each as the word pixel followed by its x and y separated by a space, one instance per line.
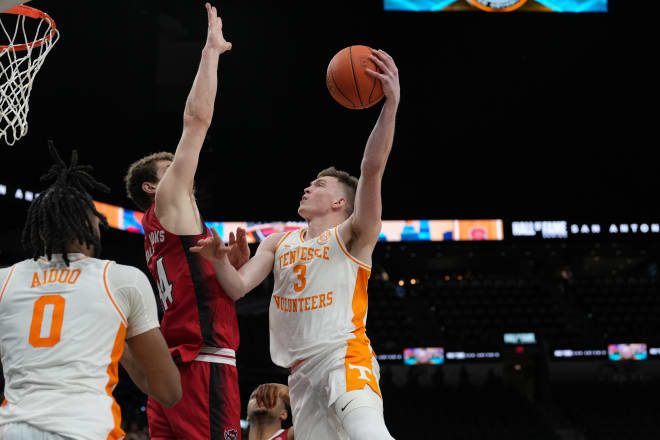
pixel 17 72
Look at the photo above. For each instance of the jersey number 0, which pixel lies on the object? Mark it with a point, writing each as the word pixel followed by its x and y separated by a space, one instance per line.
pixel 36 340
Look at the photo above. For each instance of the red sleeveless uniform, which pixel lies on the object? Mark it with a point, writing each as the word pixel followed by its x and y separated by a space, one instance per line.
pixel 201 329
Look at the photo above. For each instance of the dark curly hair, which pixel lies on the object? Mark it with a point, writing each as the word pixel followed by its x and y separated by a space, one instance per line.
pixel 61 215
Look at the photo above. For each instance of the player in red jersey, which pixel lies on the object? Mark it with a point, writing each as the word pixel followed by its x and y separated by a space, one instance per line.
pixel 199 322
pixel 268 412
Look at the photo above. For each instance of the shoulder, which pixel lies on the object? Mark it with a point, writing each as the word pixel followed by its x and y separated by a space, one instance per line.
pixel 272 242
pixel 129 284
pixel 4 274
pixel 7 271
pixel 149 216
pixel 122 274
pixel 4 271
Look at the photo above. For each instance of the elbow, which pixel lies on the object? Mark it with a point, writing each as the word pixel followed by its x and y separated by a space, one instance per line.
pixel 172 396
pixel 236 294
pixel 234 288
pixel 170 402
pixel 371 167
pixel 196 120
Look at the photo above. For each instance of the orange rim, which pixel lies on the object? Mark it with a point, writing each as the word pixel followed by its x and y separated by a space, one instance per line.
pixel 513 7
pixel 32 13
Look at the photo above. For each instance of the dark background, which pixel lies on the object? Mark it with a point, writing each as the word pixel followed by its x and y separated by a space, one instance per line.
pixel 515 116
pixel 501 116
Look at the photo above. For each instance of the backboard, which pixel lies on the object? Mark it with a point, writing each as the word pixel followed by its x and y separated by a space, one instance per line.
pixel 8 4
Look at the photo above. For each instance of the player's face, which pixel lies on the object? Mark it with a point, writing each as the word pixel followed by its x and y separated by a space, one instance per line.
pixel 161 167
pixel 320 197
pixel 94 251
pixel 96 226
pixel 255 410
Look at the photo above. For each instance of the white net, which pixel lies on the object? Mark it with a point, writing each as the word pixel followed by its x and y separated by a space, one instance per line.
pixel 29 35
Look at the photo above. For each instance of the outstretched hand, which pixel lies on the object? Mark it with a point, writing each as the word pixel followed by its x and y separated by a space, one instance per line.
pixel 214 38
pixel 211 248
pixel 388 75
pixel 239 251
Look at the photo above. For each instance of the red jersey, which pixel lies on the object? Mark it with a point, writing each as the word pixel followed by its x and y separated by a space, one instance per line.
pixel 197 312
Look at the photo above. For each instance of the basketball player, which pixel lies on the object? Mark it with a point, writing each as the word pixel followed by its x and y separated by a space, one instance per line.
pixel 64 318
pixel 319 303
pixel 199 321
pixel 268 410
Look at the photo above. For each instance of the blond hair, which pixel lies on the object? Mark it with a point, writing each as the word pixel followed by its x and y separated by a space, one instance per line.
pixel 349 183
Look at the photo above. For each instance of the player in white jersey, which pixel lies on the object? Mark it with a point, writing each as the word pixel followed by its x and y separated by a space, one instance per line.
pixel 64 320
pixel 318 309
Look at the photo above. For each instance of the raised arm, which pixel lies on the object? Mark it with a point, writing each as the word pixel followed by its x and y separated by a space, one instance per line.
pixel 236 283
pixel 363 227
pixel 174 193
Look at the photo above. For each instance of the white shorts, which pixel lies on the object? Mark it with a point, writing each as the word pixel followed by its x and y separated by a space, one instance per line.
pixel 318 382
pixel 23 431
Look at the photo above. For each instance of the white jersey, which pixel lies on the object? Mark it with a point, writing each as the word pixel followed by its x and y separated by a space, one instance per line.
pixel 319 300
pixel 62 332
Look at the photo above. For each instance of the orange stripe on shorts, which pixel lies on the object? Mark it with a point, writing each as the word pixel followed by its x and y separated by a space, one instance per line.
pixel 358 360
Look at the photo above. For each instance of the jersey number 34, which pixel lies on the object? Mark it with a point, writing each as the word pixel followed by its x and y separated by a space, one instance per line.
pixel 164 285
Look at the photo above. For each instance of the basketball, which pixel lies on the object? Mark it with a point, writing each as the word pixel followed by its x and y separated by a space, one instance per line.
pixel 347 79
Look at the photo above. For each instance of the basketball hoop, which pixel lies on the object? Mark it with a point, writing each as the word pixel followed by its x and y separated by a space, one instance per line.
pixel 20 60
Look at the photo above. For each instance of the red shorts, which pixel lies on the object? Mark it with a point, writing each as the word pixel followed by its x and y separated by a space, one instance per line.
pixel 210 408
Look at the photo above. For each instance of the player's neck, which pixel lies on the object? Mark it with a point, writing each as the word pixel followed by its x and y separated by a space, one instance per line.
pixel 318 225
pixel 76 248
pixel 264 431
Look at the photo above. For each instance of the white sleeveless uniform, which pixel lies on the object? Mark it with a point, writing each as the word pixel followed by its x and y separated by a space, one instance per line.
pixel 62 332
pixel 318 314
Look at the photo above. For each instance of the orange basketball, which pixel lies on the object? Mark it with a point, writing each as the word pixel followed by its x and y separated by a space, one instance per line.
pixel 348 81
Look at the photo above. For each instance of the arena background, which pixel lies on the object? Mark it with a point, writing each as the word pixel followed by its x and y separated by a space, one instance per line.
pixel 519 117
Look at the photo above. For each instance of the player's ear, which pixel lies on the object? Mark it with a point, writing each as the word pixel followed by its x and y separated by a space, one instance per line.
pixel 284 414
pixel 339 203
pixel 149 187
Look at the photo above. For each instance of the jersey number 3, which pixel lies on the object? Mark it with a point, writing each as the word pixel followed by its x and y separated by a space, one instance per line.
pixel 164 285
pixel 301 269
pixel 36 340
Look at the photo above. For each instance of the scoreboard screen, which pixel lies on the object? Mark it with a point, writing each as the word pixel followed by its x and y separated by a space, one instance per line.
pixel 622 352
pixel 424 355
pixel 495 6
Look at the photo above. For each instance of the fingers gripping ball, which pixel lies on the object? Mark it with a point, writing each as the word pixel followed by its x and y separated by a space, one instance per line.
pixel 348 81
